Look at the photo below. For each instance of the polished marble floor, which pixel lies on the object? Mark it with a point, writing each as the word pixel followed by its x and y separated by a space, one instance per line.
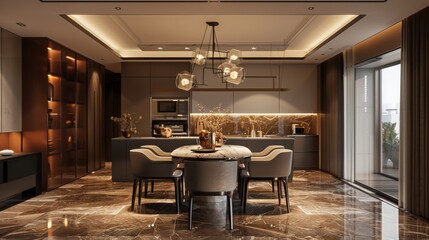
pixel 322 207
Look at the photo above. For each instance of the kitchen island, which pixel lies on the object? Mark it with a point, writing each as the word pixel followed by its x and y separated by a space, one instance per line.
pixel 121 167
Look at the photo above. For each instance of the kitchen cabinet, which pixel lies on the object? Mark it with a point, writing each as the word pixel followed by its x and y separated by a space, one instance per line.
pixel 55 113
pixel 212 99
pixel 256 102
pixel 306 151
pixel 20 173
pixel 300 80
pixel 10 77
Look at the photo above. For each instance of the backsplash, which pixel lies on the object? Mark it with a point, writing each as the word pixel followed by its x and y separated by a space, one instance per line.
pixel 241 125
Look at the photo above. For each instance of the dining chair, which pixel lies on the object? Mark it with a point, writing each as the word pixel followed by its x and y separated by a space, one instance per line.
pixel 211 178
pixel 161 153
pixel 276 165
pixel 242 165
pixel 145 165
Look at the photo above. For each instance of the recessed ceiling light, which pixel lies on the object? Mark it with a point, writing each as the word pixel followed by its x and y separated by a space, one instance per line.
pixel 253 48
pixel 187 48
pixel 310 8
pixel 118 8
pixel 322 54
pixel 160 48
pixel 331 48
pixel 21 24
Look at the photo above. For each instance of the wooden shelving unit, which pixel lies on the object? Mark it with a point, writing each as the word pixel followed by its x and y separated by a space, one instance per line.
pixel 55 120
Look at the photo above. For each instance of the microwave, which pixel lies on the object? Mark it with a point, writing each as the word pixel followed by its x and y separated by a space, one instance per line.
pixel 170 108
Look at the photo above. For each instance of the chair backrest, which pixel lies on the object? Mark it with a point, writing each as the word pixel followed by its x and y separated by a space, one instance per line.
pixel 157 150
pixel 144 163
pixel 278 163
pixel 210 176
pixel 267 150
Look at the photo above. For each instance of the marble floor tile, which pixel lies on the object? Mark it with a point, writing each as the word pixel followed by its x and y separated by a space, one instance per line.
pixel 322 207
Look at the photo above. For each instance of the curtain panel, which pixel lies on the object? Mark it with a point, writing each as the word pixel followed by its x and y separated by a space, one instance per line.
pixel 415 113
pixel 332 115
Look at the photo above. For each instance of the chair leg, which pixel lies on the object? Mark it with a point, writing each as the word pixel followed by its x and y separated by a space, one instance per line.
pixel 152 185
pixel 191 202
pixel 285 182
pixel 177 191
pixel 145 188
pixel 279 194
pixel 140 192
pixel 244 200
pixel 133 198
pixel 272 185
pixel 231 223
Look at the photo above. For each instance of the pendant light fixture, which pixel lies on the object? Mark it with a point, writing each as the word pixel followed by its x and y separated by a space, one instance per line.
pixel 228 69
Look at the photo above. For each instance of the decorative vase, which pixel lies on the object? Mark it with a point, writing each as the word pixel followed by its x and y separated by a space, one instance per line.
pixel 207 139
pixel 127 133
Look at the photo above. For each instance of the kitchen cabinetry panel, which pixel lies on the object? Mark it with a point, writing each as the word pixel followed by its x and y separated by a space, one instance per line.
pixel 10 74
pixel 300 80
pixel 18 173
pixel 306 151
pixel 209 100
pixel 165 87
pixel 256 102
pixel 171 70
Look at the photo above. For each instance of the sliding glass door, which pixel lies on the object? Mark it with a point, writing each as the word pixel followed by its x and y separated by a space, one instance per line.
pixel 377 97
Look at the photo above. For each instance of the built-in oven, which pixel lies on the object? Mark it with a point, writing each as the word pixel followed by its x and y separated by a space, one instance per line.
pixel 178 127
pixel 170 108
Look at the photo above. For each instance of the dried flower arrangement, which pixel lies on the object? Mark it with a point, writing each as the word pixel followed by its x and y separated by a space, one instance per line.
pixel 215 118
pixel 127 122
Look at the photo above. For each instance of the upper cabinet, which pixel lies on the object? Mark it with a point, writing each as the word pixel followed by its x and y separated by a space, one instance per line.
pixel 300 82
pixel 256 102
pixel 204 101
pixel 11 82
pixel 268 88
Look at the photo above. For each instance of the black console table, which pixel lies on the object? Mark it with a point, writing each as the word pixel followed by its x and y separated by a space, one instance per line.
pixel 20 173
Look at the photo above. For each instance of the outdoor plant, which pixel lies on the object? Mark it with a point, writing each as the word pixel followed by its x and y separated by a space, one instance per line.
pixel 390 143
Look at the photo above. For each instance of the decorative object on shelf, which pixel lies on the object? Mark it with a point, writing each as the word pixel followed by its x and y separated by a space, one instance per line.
pixel 50 118
pixel 128 123
pixel 228 70
pixel 50 92
pixel 6 152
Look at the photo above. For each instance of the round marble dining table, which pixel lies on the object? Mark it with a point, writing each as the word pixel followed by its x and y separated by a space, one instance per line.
pixel 225 152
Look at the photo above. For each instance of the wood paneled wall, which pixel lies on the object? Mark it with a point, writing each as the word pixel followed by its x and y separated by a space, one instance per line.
pixel 332 115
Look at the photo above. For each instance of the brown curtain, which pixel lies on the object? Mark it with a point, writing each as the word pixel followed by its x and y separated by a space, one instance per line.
pixel 415 113
pixel 332 115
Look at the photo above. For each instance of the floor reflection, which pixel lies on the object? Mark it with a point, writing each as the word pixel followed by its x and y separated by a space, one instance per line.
pixel 322 207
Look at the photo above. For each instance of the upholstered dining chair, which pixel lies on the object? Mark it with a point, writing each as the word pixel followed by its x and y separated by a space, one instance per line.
pixel 242 165
pixel 161 153
pixel 157 150
pixel 211 178
pixel 146 165
pixel 277 165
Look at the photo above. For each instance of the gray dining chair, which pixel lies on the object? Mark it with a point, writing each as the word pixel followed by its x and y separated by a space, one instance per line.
pixel 211 178
pixel 276 165
pixel 145 165
pixel 161 153
pixel 157 150
pixel 243 164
